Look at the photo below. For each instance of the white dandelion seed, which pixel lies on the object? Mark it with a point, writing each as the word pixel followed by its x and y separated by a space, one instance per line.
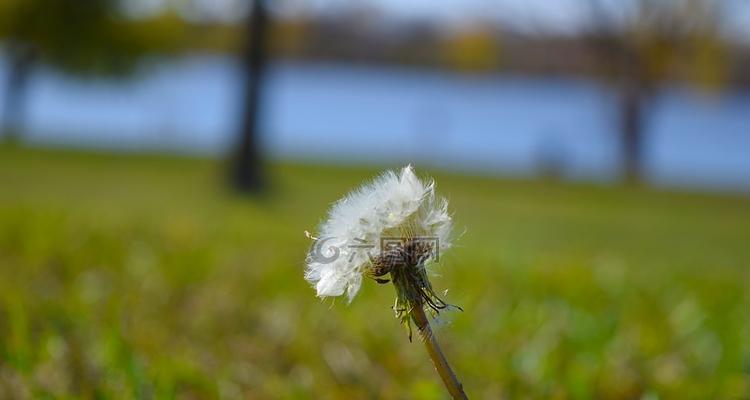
pixel 394 205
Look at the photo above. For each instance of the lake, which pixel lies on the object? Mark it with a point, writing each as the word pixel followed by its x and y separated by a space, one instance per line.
pixel 492 124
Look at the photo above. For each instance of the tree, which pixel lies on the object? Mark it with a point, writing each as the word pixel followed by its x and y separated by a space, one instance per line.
pixel 640 45
pixel 72 35
pixel 247 166
pixel 21 60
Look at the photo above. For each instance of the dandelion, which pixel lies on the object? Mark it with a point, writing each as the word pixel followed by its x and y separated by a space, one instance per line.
pixel 390 230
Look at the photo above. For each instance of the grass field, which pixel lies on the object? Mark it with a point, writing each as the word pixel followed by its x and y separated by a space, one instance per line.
pixel 141 276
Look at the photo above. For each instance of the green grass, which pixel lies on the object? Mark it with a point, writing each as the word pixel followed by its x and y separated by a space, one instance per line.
pixel 141 276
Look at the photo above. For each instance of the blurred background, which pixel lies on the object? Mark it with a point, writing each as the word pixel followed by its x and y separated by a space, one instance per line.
pixel 161 159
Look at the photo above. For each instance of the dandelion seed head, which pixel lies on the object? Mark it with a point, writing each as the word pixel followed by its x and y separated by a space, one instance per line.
pixel 395 204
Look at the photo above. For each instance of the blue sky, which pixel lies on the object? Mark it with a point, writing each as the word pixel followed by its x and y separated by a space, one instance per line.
pixel 554 15
pixel 555 12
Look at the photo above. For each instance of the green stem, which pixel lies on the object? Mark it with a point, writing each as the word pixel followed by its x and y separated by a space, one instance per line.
pixel 436 354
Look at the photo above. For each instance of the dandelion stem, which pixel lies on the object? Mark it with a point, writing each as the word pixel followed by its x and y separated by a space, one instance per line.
pixel 436 354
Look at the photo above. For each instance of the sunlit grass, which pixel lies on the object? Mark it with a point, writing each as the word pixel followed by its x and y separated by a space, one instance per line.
pixel 142 276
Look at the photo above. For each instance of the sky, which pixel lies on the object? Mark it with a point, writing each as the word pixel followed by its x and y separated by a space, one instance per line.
pixel 544 15
pixel 553 14
pixel 537 15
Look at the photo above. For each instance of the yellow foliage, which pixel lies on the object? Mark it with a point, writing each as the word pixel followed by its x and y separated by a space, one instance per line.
pixel 289 37
pixel 472 51
pixel 660 57
pixel 707 64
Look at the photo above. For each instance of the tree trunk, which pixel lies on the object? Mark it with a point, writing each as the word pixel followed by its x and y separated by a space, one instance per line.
pixel 16 91
pixel 635 91
pixel 247 165
pixel 631 131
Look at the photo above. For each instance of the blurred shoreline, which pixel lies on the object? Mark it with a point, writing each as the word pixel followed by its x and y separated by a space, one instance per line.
pixel 496 124
pixel 135 156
